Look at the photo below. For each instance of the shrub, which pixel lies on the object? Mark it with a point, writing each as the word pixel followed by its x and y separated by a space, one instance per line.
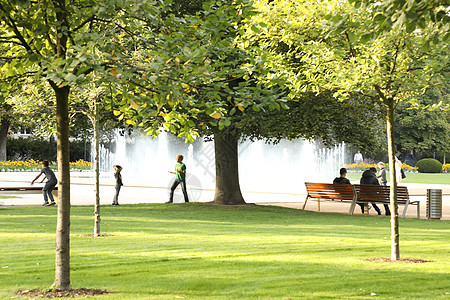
pixel 43 149
pixel 429 165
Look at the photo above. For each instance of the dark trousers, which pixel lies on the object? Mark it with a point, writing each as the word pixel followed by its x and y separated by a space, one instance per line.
pixel 47 190
pixel 116 196
pixel 386 206
pixel 183 188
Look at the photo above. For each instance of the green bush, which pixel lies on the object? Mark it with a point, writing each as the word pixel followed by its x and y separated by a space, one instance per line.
pixel 44 149
pixel 429 165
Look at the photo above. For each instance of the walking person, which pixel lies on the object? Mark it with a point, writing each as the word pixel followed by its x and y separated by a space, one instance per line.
pixel 49 185
pixel 399 173
pixel 180 178
pixel 358 158
pixel 118 185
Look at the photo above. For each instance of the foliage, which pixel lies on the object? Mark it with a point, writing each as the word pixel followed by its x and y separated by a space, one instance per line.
pixel 321 117
pixel 44 149
pixel 409 16
pixel 429 165
pixel 197 78
pixel 422 129
pixel 208 252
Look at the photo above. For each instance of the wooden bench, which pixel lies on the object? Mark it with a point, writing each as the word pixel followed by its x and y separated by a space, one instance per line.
pixel 357 194
pixel 380 194
pixel 329 192
pixel 26 190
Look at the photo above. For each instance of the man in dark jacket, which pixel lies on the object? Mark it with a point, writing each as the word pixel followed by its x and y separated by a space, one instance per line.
pixel 343 180
pixel 370 177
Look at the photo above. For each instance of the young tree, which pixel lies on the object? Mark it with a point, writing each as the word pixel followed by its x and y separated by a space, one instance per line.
pixel 57 41
pixel 344 59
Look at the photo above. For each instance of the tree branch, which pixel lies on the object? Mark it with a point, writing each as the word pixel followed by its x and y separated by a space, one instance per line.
pixel 10 23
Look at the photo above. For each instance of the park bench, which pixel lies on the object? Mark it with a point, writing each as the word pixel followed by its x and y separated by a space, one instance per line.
pixel 357 194
pixel 380 194
pixel 26 190
pixel 329 192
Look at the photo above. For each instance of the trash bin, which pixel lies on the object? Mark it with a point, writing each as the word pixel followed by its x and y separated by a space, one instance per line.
pixel 434 204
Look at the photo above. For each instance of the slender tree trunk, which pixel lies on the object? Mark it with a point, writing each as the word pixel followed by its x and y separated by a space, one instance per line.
pixel 228 190
pixel 97 171
pixel 395 242
pixel 4 127
pixel 62 261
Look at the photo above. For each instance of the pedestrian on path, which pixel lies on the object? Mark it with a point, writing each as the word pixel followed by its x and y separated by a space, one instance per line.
pixel 180 178
pixel 119 183
pixel 358 158
pixel 49 185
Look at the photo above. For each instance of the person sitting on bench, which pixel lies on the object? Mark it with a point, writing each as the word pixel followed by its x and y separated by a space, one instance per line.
pixel 370 177
pixel 343 180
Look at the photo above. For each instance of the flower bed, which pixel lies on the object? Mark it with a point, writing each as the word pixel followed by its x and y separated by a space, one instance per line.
pixel 364 166
pixel 31 165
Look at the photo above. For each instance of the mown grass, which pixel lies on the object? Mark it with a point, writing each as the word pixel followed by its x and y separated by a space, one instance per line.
pixel 436 178
pixel 198 251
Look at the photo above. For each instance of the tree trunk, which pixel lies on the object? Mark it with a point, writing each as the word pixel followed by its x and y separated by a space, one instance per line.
pixel 62 261
pixel 4 127
pixel 395 246
pixel 97 171
pixel 228 190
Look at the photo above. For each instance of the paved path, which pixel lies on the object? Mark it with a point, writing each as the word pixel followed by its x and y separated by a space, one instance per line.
pixel 137 191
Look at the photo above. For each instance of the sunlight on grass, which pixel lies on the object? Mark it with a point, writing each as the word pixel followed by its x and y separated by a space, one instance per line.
pixel 198 251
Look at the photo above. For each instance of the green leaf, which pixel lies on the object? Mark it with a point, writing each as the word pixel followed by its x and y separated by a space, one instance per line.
pixel 70 77
pixel 410 27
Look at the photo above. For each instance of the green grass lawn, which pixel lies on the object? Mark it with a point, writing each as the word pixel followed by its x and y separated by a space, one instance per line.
pixel 197 251
pixel 437 178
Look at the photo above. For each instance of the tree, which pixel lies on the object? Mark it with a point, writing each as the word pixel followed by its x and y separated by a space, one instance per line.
pixel 423 130
pixel 197 80
pixel 202 79
pixel 5 122
pixel 344 59
pixel 58 42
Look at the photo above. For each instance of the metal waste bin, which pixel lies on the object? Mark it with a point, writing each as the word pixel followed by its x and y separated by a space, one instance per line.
pixel 434 204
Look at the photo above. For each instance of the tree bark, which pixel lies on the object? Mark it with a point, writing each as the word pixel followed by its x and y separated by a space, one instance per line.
pixel 62 259
pixel 97 170
pixel 4 127
pixel 228 190
pixel 395 243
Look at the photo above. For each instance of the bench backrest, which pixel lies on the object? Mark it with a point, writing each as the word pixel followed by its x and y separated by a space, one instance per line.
pixel 368 192
pixel 329 191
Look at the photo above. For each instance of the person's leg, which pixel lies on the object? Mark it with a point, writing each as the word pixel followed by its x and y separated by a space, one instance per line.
pixel 49 187
pixel 183 188
pixel 116 195
pixel 44 193
pixel 172 189
pixel 376 208
pixel 387 210
pixel 47 191
pixel 362 207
